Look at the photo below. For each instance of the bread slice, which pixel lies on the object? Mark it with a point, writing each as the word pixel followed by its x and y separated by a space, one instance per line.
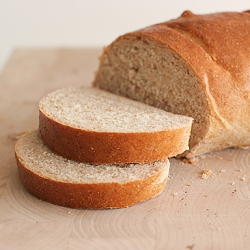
pixel 195 65
pixel 94 126
pixel 63 182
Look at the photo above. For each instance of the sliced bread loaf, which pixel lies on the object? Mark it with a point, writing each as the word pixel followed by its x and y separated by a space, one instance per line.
pixel 63 182
pixel 195 65
pixel 94 126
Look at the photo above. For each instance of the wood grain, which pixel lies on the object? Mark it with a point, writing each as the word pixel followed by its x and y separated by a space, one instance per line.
pixel 195 211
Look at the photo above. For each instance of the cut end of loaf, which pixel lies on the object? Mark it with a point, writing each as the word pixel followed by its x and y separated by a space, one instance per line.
pixel 60 181
pixel 142 67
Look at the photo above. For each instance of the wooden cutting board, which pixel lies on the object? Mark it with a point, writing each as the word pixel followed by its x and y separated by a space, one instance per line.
pixel 205 205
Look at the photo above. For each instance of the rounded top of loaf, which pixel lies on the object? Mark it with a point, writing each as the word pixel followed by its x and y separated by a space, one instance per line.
pixel 97 110
pixel 223 36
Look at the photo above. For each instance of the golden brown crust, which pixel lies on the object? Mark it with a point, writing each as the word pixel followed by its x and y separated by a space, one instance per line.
pixel 216 48
pixel 201 41
pixel 91 196
pixel 224 37
pixel 105 147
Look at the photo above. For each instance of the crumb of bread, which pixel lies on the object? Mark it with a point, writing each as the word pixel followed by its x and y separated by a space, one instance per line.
pixel 206 173
pixel 190 246
pixel 192 160
pixel 243 178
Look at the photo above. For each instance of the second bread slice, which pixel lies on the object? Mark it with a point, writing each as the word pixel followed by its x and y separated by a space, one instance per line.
pixel 60 181
pixel 94 126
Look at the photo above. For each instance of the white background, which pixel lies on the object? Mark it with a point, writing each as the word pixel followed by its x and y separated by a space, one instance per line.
pixel 89 23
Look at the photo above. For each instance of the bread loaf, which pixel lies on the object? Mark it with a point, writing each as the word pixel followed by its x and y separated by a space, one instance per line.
pixel 94 126
pixel 63 182
pixel 195 65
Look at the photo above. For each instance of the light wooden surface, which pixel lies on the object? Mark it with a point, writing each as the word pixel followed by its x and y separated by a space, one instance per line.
pixel 192 212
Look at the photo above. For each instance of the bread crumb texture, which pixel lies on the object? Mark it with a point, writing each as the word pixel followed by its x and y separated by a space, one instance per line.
pixel 97 110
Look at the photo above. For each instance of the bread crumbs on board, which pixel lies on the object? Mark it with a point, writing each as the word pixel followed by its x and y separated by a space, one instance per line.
pixel 243 178
pixel 206 173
